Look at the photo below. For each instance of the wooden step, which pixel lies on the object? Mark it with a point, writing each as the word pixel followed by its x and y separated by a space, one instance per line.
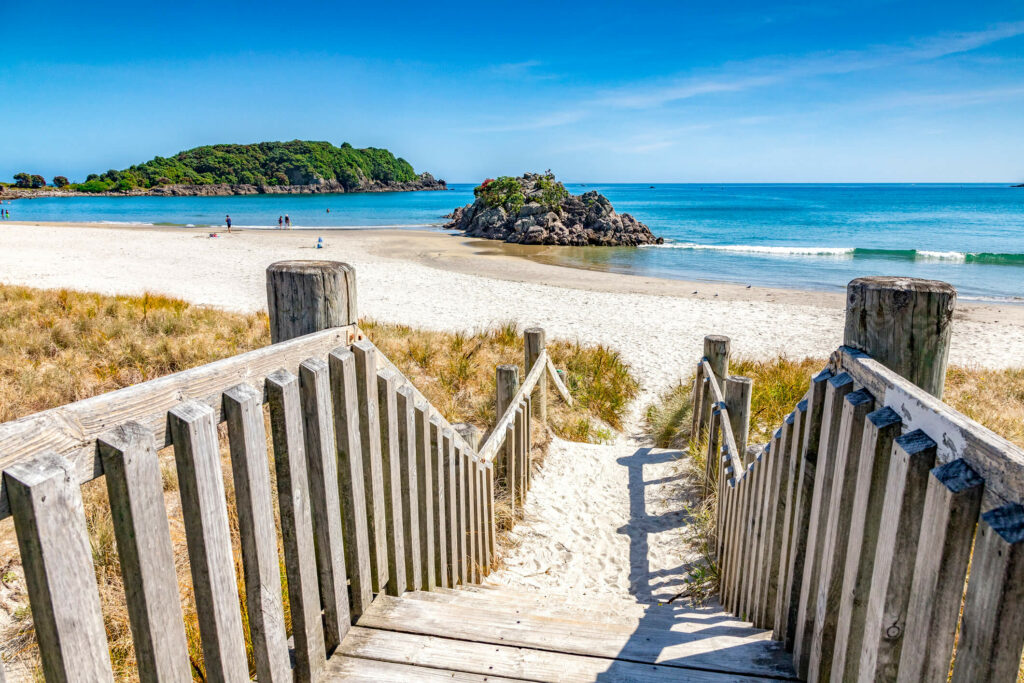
pixel 518 663
pixel 526 597
pixel 668 617
pixel 357 669
pixel 619 606
pixel 710 648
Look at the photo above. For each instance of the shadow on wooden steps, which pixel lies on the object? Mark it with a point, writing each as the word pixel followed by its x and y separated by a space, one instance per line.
pixel 478 633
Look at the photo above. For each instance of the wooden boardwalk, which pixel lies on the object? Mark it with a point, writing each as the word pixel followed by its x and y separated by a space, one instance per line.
pixel 489 634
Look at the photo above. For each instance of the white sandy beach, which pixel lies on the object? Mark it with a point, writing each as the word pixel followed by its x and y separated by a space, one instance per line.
pixel 590 511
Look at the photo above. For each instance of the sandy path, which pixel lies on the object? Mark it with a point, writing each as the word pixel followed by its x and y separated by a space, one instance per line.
pixel 604 521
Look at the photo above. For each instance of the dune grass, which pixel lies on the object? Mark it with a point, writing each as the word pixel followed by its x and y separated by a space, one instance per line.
pixel 994 398
pixel 60 346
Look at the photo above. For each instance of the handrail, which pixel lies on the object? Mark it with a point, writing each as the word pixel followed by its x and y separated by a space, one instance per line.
pixel 489 450
pixel 563 390
pixel 71 430
pixel 726 425
pixel 998 461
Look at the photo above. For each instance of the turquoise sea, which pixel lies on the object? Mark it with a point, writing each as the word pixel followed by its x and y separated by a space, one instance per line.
pixel 800 236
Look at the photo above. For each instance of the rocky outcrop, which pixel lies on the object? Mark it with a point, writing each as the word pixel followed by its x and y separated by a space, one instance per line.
pixel 543 212
pixel 424 182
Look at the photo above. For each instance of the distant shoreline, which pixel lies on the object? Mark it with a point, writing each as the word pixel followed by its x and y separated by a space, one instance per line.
pixel 452 251
pixel 225 190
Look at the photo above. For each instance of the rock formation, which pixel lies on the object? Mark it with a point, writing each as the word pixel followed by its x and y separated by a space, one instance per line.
pixel 537 209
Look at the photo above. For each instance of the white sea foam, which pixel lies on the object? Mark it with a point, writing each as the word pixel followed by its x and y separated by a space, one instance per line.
pixel 942 256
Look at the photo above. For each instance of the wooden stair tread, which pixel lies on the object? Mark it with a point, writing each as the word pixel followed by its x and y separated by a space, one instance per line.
pixel 667 617
pixel 340 667
pixel 709 648
pixel 438 653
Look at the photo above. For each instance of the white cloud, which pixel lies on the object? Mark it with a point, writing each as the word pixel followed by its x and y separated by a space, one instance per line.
pixel 769 71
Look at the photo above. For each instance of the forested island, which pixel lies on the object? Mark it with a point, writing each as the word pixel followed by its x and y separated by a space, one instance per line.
pixel 299 166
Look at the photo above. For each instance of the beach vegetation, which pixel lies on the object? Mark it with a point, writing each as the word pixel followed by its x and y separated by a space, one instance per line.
pixel 94 185
pixel 504 191
pixel 298 162
pixel 60 346
pixel 994 398
pixel 60 181
pixel 552 192
pixel 29 181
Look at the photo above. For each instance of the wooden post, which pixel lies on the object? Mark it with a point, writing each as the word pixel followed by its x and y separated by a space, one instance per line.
pixel 738 390
pixel 391 465
pixel 193 430
pixel 804 494
pixel 324 492
pixel 899 532
pixel 247 436
pixel 439 500
pixel 282 389
pixel 716 351
pixel 352 495
pixel 309 296
pixel 835 394
pixel 534 341
pixel 714 449
pixel 49 519
pixel 697 401
pixel 412 541
pixel 904 324
pixel 881 429
pixel 776 516
pixel 507 384
pixel 791 476
pixel 373 469
pixel 993 631
pixel 837 521
pixel 951 508
pixel 132 472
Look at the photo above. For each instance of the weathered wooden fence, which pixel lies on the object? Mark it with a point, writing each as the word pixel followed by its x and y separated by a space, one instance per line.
pixel 377 494
pixel 852 533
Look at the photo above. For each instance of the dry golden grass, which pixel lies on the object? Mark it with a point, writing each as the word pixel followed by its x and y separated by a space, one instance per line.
pixel 994 398
pixel 61 346
pixel 456 372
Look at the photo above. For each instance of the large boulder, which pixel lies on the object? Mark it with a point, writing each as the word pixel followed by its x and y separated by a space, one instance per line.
pixel 537 209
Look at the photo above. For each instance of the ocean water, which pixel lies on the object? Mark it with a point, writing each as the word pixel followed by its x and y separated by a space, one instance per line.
pixel 800 236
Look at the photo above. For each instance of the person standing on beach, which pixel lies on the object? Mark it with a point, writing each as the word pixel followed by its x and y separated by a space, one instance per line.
pixel 227 219
pixel 287 221
pixel 280 222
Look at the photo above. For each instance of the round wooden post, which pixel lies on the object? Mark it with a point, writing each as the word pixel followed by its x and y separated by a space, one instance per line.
pixel 903 323
pixel 534 342
pixel 716 350
pixel 738 390
pixel 309 296
pixel 507 380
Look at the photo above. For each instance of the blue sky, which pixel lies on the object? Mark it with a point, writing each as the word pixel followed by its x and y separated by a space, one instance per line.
pixel 631 92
